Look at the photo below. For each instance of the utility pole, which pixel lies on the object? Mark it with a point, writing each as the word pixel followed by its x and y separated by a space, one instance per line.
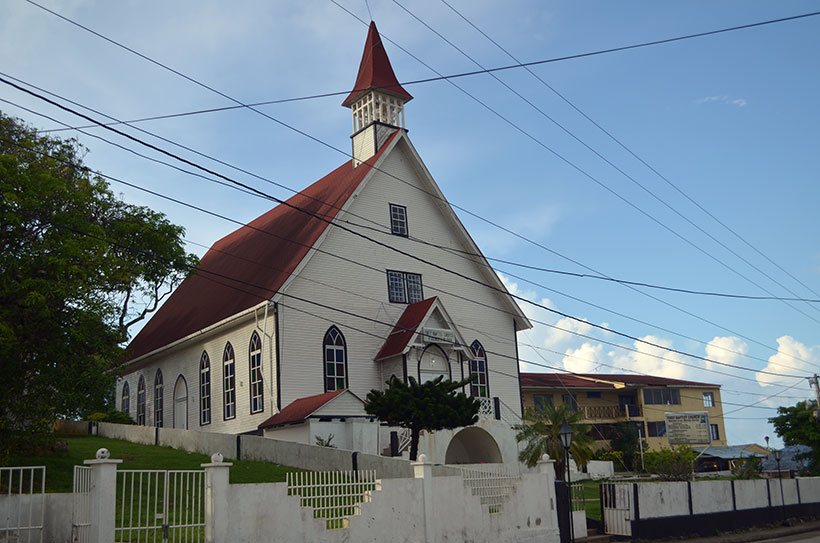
pixel 814 381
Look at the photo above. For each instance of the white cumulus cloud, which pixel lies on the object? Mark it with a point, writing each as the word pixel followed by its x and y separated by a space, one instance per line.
pixel 792 357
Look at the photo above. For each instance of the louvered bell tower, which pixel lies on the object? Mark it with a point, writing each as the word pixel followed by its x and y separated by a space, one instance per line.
pixel 376 101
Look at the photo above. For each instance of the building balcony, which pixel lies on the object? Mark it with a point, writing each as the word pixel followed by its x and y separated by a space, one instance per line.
pixel 610 412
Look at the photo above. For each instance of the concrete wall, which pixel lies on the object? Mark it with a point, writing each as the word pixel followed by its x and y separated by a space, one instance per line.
pixel 264 512
pixel 809 489
pixel 600 469
pixel 55 508
pixel 202 442
pixel 666 499
pixel 669 499
pixel 711 496
pixel 751 494
pixel 128 432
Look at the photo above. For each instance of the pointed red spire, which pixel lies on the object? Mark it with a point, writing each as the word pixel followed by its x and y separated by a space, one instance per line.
pixel 375 71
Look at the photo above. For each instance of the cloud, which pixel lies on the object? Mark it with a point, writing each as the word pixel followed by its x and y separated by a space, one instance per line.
pixel 726 349
pixel 792 357
pixel 584 359
pixel 722 99
pixel 651 360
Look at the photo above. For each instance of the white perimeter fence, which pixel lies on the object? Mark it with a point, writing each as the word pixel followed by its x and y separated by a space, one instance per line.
pixel 22 504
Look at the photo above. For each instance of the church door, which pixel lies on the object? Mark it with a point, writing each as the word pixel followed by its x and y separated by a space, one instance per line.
pixel 181 403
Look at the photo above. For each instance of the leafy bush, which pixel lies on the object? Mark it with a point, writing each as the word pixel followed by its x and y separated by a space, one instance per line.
pixel 671 464
pixel 746 468
pixel 116 416
pixel 616 457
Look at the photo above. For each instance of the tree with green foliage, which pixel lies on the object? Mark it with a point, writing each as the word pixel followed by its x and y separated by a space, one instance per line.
pixel 70 289
pixel 429 406
pixel 798 425
pixel 676 464
pixel 625 439
pixel 539 431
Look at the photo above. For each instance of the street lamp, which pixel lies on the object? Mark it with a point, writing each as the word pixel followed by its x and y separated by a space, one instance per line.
pixel 565 434
pixel 777 455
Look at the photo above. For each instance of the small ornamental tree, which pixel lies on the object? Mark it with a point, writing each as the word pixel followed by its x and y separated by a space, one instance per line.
pixel 434 405
pixel 798 425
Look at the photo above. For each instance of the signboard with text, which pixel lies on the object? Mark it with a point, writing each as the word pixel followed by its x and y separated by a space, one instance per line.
pixel 690 428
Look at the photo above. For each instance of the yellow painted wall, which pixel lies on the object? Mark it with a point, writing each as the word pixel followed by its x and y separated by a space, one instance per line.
pixel 691 400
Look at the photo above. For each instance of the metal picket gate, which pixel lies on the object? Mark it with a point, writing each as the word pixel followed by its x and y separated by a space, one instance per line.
pixel 22 503
pixel 160 505
pixel 81 505
pixel 617 508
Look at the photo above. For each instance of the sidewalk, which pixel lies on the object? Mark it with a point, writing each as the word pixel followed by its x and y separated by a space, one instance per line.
pixel 760 534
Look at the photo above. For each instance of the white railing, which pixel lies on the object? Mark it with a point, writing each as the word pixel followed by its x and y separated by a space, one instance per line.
pixel 493 484
pixel 486 407
pixel 334 495
pixel 81 505
pixel 405 437
pixel 22 503
pixel 160 505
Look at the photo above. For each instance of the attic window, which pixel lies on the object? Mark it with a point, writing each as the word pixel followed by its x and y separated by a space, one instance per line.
pixel 398 220
pixel 404 287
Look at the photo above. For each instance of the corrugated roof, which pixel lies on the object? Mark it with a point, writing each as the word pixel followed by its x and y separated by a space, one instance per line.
pixel 727 453
pixel 299 410
pixel 405 328
pixel 264 253
pixel 375 71
pixel 587 380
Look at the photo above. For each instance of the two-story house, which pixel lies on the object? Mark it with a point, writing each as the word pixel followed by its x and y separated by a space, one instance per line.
pixel 292 319
pixel 608 399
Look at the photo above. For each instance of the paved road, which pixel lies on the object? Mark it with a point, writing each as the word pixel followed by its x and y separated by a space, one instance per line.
pixel 811 537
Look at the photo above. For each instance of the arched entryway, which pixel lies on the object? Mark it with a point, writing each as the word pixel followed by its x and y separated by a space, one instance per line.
pixel 433 363
pixel 181 403
pixel 473 446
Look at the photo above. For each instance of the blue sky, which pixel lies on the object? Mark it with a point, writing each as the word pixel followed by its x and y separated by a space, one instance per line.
pixel 730 119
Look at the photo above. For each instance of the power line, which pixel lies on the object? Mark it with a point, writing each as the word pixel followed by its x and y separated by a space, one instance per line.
pixel 404 253
pixel 654 170
pixel 403 181
pixel 196 268
pixel 617 168
pixel 517 65
pixel 446 248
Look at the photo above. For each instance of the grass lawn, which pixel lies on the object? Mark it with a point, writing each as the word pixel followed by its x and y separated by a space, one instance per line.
pixel 60 466
pixel 592 501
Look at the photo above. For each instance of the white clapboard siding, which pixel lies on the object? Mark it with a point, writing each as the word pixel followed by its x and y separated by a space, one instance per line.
pixel 303 334
pixel 184 361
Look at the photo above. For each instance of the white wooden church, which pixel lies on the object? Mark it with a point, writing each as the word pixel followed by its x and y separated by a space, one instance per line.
pixel 295 317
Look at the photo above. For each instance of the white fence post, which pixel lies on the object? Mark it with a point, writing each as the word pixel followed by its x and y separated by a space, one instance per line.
pixel 546 465
pixel 103 497
pixel 424 471
pixel 216 499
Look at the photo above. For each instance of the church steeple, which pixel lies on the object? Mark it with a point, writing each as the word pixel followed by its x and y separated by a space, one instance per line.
pixel 376 101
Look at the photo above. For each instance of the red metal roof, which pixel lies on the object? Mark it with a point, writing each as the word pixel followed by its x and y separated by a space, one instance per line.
pixel 299 410
pixel 375 71
pixel 561 380
pixel 260 256
pixel 404 329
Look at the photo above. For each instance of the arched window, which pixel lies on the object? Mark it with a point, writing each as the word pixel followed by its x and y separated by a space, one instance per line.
pixel 255 365
pixel 159 390
pixel 433 363
pixel 141 401
pixel 228 383
pixel 480 383
pixel 204 389
pixel 125 401
pixel 335 360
